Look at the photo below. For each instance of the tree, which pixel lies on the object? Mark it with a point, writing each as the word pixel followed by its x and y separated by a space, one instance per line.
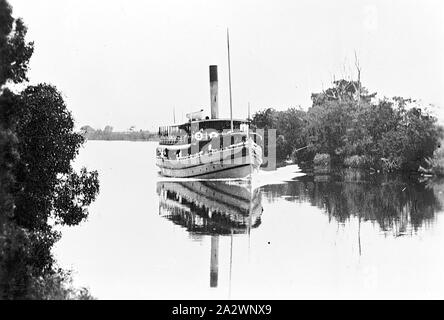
pixel 46 185
pixel 14 58
pixel 37 182
pixel 41 185
pixel 15 52
pixel 343 91
pixel 8 155
pixel 265 119
pixel 345 123
pixel 289 126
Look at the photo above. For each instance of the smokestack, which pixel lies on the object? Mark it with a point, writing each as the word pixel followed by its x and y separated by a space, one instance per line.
pixel 213 93
pixel 214 261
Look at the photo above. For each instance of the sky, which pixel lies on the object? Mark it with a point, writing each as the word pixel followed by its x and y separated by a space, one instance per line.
pixel 131 63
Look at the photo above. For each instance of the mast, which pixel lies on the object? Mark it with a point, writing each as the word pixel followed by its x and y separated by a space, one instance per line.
pixel 229 80
pixel 231 264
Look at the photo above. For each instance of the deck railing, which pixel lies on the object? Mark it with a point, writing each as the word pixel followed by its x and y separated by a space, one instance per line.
pixel 174 140
pixel 211 152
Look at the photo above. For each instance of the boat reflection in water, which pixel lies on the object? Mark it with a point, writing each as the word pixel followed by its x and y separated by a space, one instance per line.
pixel 214 208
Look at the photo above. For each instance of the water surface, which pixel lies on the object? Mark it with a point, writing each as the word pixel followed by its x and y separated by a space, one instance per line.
pixel 286 236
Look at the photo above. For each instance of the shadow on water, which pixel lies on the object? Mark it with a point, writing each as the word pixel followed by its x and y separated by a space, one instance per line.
pixel 212 208
pixel 397 203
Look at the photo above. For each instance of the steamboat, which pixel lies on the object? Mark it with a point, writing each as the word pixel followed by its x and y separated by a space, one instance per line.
pixel 209 147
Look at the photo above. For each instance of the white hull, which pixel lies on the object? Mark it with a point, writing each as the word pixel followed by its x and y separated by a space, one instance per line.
pixel 233 162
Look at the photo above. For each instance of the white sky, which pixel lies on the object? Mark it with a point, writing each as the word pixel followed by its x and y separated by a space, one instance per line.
pixel 129 63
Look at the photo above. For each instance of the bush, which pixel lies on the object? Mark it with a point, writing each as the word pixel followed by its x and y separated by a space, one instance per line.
pixel 57 286
pixel 435 164
pixel 356 161
pixel 322 160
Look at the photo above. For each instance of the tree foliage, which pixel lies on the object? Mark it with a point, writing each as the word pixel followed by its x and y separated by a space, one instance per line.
pixel 289 126
pixel 37 182
pixel 354 130
pixel 15 52
pixel 46 184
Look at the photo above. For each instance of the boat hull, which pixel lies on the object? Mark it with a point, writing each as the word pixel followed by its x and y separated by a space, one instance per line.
pixel 209 171
pixel 230 163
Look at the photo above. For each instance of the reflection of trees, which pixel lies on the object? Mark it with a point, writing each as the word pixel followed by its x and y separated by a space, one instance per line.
pixel 394 202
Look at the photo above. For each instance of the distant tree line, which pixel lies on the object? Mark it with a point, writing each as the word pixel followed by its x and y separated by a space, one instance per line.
pixel 38 186
pixel 345 126
pixel 108 134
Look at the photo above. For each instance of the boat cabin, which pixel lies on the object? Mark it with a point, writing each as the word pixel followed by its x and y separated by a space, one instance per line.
pixel 199 130
pixel 204 135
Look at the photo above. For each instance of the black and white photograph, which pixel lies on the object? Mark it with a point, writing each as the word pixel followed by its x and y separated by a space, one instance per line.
pixel 209 150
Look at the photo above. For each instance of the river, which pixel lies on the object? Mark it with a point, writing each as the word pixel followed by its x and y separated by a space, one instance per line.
pixel 285 236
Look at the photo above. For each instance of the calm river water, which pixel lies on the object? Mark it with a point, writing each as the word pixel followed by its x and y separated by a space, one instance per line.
pixel 286 236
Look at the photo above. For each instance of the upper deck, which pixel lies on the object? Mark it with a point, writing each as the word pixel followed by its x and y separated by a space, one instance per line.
pixel 185 133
